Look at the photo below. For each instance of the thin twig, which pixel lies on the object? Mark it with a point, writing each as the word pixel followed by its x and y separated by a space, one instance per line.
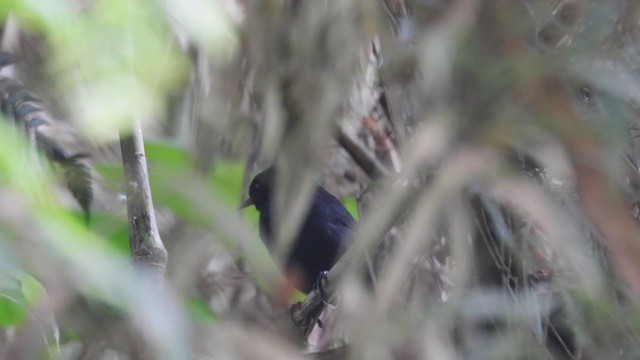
pixel 384 142
pixel 147 249
pixel 339 353
pixel 364 158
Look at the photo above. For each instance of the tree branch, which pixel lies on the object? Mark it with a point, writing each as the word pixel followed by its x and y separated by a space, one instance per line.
pixel 364 158
pixel 147 250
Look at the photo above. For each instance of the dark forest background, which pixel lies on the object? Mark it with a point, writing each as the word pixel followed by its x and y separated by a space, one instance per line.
pixel 488 149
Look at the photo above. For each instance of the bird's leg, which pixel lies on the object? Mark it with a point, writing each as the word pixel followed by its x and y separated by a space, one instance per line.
pixel 312 316
pixel 305 323
pixel 320 283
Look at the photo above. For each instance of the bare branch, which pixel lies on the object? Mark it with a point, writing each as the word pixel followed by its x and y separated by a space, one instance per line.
pixel 147 250
pixel 362 156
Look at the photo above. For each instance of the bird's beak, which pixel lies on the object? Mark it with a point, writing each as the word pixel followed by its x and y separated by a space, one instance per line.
pixel 246 203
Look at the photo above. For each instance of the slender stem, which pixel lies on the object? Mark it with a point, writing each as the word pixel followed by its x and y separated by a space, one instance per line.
pixel 365 159
pixel 147 249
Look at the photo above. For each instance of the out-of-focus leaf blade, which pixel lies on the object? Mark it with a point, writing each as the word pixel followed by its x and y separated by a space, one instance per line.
pixel 201 312
pixel 166 155
pixel 32 289
pixel 122 51
pixel 352 206
pixel 12 311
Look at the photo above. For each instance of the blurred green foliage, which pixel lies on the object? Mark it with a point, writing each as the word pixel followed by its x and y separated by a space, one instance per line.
pixel 201 311
pixel 121 49
pixel 83 259
pixel 12 302
pixel 19 292
pixel 111 227
pixel 12 310
pixel 352 206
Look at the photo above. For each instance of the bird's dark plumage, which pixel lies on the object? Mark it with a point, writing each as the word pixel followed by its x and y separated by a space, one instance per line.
pixel 322 239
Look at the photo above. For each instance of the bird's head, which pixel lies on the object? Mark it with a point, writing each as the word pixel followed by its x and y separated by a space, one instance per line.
pixel 260 190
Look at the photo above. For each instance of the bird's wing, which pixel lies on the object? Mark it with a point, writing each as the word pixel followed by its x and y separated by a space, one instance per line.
pixel 338 220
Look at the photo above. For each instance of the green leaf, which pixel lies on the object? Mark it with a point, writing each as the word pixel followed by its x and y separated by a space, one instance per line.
pixel 297 297
pixel 201 312
pixel 166 155
pixel 114 228
pixel 32 290
pixel 352 206
pixel 112 173
pixel 18 292
pixel 127 66
pixel 226 181
pixel 12 311
pixel 110 226
pixel 5 7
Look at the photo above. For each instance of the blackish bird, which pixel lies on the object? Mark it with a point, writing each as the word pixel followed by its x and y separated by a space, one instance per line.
pixel 322 239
